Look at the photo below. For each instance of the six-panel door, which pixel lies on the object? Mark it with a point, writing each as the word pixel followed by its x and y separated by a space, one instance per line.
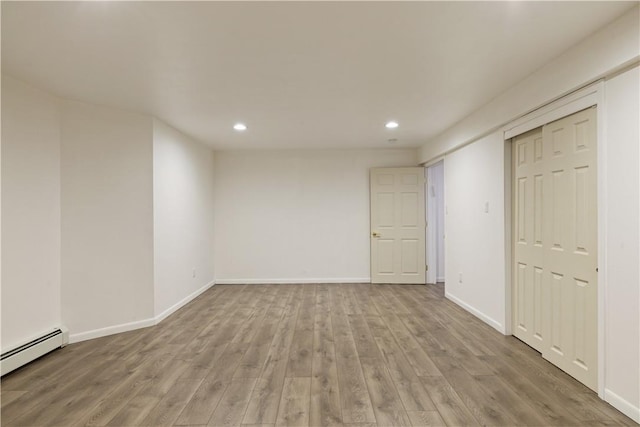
pixel 397 225
pixel 555 242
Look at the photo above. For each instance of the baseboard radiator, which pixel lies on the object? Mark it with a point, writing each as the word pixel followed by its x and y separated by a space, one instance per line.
pixel 20 356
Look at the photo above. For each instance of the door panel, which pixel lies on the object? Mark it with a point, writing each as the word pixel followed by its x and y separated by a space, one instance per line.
pixel 385 209
pixel 529 191
pixel 537 302
pixel 397 225
pixel 573 255
pixel 555 237
pixel 410 255
pixel 409 207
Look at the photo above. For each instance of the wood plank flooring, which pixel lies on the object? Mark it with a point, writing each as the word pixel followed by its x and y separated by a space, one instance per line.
pixel 303 355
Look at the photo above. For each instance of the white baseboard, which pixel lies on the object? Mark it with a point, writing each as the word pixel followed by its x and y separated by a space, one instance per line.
pixel 440 279
pixel 144 323
pixel 110 330
pixel 480 315
pixel 288 281
pixel 622 405
pixel 160 317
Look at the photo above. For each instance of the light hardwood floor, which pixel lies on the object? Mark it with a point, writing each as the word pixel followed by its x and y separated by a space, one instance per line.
pixel 318 355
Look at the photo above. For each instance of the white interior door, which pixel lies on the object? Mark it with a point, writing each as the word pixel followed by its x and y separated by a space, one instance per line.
pixel 555 232
pixel 397 225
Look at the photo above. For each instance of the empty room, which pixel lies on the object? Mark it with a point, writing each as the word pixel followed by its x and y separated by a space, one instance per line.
pixel 320 213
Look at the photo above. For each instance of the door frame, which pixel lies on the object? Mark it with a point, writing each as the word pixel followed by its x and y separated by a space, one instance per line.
pixel 433 225
pixel 591 95
pixel 430 238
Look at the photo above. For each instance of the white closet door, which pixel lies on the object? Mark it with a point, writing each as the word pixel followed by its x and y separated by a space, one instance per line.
pixel 570 255
pixel 529 292
pixel 555 233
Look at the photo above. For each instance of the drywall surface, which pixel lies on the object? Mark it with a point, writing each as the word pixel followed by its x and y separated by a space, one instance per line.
pixel 182 216
pixel 611 47
pixel 30 213
pixel 622 323
pixel 296 216
pixel 107 218
pixel 475 239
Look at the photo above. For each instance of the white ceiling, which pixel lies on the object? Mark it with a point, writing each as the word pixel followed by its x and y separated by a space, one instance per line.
pixel 300 75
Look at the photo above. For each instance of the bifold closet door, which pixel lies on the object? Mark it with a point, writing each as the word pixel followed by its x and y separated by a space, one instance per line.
pixel 555 233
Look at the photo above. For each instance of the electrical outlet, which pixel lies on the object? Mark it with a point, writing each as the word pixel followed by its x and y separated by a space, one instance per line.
pixel 460 277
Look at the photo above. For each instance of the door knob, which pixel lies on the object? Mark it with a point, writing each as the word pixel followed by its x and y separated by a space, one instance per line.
pixel 375 234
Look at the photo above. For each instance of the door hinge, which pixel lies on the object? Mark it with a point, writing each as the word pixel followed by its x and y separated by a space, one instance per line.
pixel 426 268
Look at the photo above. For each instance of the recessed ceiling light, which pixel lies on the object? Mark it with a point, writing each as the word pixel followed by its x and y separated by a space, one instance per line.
pixel 391 125
pixel 240 127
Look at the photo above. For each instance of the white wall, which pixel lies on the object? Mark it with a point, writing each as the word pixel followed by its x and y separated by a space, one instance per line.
pixel 610 48
pixel 30 213
pixel 622 322
pixel 107 219
pixel 476 245
pixel 296 216
pixel 475 173
pixel 182 216
pixel 86 191
pixel 475 239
